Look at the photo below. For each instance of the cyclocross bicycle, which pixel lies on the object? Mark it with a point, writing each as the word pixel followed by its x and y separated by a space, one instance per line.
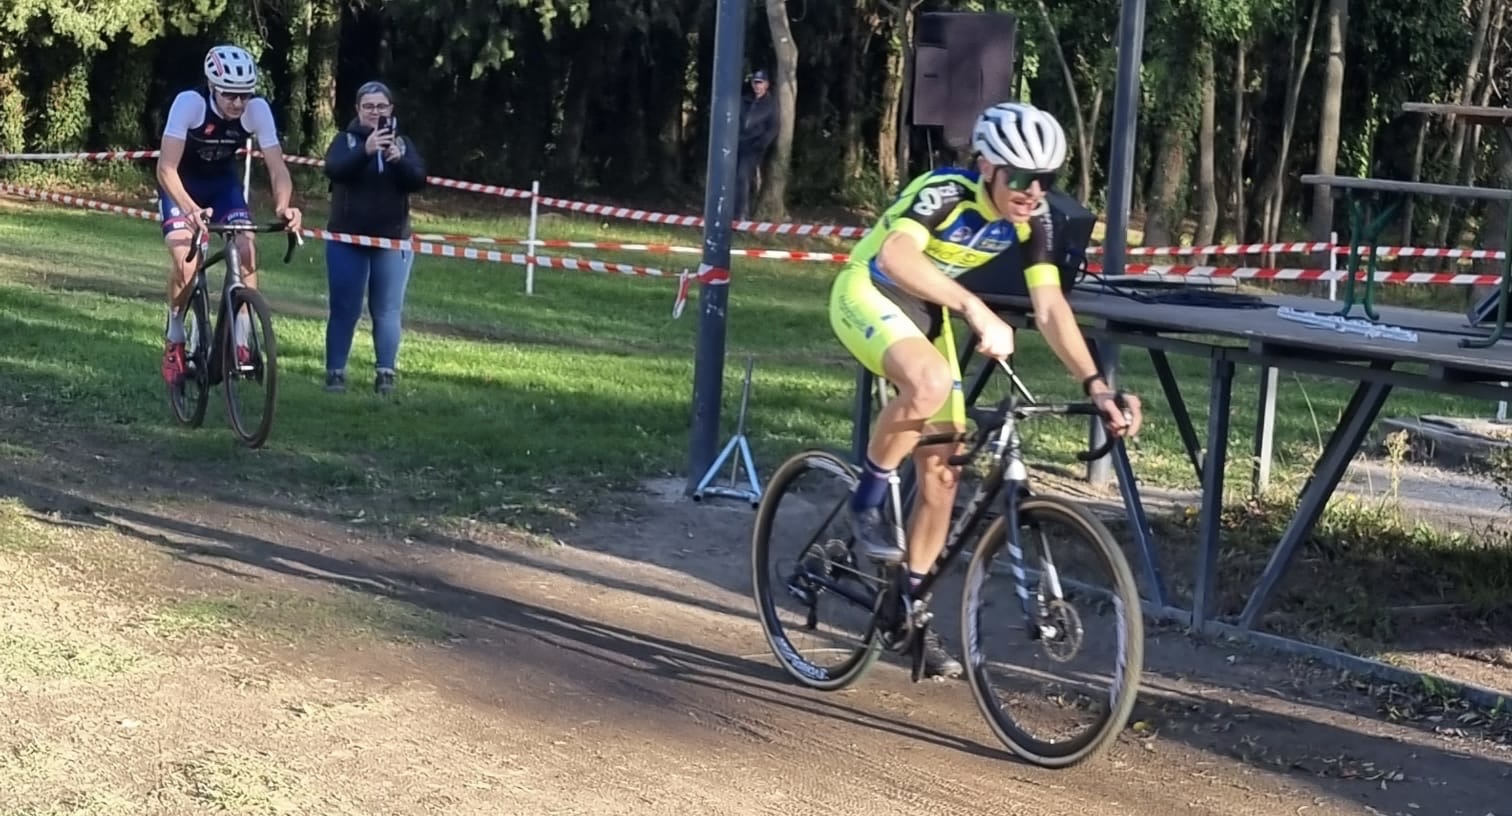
pixel 249 368
pixel 1079 604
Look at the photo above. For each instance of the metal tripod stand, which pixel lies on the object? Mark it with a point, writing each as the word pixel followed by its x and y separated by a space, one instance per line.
pixel 738 441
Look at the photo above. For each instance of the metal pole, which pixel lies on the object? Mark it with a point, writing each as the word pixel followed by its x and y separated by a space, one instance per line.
pixel 530 243
pixel 1131 25
pixel 714 290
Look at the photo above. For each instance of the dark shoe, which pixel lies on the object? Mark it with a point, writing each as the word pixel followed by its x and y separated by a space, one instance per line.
pixel 335 382
pixel 384 383
pixel 937 661
pixel 874 536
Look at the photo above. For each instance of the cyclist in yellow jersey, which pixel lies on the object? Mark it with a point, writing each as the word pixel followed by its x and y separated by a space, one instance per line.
pixel 888 307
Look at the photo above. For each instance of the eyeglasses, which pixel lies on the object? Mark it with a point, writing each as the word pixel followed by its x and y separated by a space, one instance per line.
pixel 238 96
pixel 371 107
pixel 1021 180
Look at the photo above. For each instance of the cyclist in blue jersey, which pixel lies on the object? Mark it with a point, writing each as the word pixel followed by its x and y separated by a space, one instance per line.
pixel 198 180
pixel 890 308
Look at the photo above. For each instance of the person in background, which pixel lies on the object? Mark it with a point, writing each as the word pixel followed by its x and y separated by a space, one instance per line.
pixel 373 170
pixel 758 128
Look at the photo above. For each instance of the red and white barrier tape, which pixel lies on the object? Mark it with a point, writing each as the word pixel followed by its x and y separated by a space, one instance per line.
pixel 706 276
pixel 1311 247
pixel 1222 249
pixel 812 230
pixel 759 227
pixel 1286 273
pixel 770 254
pixel 420 247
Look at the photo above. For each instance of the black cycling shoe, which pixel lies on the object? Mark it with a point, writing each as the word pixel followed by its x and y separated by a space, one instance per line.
pixel 874 537
pixel 937 661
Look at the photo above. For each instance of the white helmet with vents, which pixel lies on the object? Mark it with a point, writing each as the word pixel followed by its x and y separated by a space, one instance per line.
pixel 1021 136
pixel 231 69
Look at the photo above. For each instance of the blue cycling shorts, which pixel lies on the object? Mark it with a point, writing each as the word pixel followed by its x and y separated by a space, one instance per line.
pixel 222 194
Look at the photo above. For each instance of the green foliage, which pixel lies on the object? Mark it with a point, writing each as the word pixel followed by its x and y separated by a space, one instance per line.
pixel 477 36
pixel 88 24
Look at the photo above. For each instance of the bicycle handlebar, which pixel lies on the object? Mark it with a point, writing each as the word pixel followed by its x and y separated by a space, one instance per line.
pixel 295 239
pixel 989 420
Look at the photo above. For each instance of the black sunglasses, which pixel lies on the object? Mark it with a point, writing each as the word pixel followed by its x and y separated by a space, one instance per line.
pixel 241 96
pixel 1021 180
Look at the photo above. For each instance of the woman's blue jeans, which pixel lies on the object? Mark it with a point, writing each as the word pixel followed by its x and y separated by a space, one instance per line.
pixel 382 275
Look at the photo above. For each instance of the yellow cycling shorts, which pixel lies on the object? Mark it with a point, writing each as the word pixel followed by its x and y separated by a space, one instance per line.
pixel 868 322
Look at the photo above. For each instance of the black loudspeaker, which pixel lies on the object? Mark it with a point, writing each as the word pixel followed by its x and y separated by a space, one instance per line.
pixel 1004 275
pixel 962 63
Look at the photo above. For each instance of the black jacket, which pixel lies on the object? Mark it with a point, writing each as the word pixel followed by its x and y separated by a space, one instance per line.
pixel 758 125
pixel 364 201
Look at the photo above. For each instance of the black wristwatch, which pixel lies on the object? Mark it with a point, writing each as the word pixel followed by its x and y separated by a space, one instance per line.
pixel 1087 383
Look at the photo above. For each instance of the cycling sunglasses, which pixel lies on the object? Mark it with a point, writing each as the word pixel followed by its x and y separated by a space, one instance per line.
pixel 239 96
pixel 1021 180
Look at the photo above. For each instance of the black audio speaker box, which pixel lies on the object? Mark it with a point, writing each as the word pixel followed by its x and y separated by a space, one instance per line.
pixel 1004 275
pixel 962 63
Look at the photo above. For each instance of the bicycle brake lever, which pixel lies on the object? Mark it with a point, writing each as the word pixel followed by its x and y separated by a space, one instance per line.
pixel 295 240
pixel 194 247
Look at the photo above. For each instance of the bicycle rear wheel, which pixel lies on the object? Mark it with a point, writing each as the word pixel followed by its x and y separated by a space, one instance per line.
pixel 816 604
pixel 250 363
pixel 1081 658
pixel 191 395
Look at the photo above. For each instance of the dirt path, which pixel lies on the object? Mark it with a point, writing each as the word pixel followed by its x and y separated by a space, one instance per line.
pixel 619 670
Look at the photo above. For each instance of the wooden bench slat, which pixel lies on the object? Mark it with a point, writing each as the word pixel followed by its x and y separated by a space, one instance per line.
pixel 1410 187
pixel 1481 114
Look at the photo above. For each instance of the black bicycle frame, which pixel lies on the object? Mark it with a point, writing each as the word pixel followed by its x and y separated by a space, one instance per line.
pixel 998 427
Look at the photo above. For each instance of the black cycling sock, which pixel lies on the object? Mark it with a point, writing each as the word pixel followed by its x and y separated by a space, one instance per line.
pixel 914 579
pixel 872 488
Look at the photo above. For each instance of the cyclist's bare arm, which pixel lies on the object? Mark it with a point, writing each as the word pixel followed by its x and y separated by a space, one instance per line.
pixel 1055 320
pixel 278 177
pixel 1057 323
pixel 902 258
pixel 171 152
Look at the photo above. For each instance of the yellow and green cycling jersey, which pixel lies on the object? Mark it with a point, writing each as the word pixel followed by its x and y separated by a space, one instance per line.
pixel 950 214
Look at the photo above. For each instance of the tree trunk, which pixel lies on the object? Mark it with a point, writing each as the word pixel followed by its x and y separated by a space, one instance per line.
pixel 1408 207
pixel 1241 144
pixel 1181 113
pixel 297 61
pixel 584 78
pixel 1468 135
pixel 1207 192
pixel 889 133
pixel 1452 124
pixel 325 39
pixel 852 111
pixel 1328 125
pixel 772 204
pixel 1275 189
pixel 1083 138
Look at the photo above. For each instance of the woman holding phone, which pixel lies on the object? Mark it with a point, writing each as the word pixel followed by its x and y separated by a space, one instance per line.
pixel 373 170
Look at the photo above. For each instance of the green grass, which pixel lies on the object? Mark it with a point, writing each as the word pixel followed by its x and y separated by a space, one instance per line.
pixel 510 403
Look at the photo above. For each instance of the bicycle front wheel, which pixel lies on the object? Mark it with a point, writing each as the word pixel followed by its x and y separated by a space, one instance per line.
pixel 1056 685
pixel 191 395
pixel 250 363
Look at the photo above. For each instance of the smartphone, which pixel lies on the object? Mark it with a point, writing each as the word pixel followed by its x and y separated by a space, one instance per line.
pixel 383 123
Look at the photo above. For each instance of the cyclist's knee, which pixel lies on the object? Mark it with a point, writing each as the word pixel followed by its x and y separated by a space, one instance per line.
pixel 925 388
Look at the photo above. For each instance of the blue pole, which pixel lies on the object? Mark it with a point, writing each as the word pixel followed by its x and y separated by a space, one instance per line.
pixel 1131 26
pixel 719 202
